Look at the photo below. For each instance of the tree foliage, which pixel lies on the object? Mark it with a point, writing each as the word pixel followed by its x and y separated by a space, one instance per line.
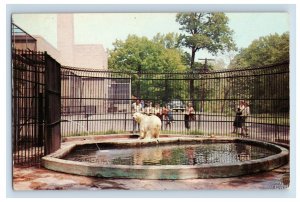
pixel 208 31
pixel 159 55
pixel 263 51
pixel 140 53
pixel 169 40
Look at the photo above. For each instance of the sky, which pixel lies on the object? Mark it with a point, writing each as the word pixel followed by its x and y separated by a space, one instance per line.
pixel 105 28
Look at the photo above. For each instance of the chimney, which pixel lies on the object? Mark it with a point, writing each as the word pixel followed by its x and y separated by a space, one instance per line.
pixel 65 38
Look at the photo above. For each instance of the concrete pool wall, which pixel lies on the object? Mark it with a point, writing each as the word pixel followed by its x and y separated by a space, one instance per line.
pixel 54 161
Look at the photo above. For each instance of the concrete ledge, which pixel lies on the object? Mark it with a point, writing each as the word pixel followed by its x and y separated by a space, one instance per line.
pixel 53 161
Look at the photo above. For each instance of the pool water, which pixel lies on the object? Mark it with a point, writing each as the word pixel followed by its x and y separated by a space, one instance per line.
pixel 174 154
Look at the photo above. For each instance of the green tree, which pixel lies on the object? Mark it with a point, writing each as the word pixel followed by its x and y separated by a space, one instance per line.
pixel 159 55
pixel 208 31
pixel 203 31
pixel 263 51
pixel 266 50
pixel 141 54
pixel 169 40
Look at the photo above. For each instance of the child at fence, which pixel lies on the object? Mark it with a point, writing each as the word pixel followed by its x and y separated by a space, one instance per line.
pixel 168 116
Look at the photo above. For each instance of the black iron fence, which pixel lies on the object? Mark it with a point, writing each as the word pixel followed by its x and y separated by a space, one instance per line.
pixel 100 102
pixel 33 106
pixel 28 106
pixel 93 101
pixel 49 100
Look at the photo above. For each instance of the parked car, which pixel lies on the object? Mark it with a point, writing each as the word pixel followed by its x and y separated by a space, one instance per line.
pixel 176 105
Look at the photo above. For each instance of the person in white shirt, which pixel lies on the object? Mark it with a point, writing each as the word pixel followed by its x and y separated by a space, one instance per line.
pixel 136 107
pixel 189 115
pixel 149 110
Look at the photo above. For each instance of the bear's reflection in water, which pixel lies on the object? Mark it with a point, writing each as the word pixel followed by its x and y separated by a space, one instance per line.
pixel 168 155
pixel 148 156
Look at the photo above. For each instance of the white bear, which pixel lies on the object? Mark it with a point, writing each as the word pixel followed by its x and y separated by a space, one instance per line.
pixel 149 125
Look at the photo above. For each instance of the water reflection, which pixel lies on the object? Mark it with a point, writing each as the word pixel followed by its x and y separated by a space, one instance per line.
pixel 179 154
pixel 243 152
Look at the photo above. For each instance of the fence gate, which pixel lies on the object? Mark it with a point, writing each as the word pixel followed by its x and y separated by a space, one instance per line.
pixel 36 106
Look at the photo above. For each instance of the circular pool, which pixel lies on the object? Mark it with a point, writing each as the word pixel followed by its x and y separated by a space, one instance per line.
pixel 167 158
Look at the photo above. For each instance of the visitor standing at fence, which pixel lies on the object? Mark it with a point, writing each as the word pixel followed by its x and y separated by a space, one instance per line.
pixel 189 115
pixel 168 116
pixel 158 112
pixel 164 114
pixel 245 109
pixel 237 123
pixel 136 107
pixel 165 117
pixel 149 110
pixel 142 103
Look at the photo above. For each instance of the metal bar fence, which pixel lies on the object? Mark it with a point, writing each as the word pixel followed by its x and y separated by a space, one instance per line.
pixel 36 106
pixel 28 96
pixel 99 102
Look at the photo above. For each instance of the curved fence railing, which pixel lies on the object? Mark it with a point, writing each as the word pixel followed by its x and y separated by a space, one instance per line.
pixel 100 102
pixel 96 102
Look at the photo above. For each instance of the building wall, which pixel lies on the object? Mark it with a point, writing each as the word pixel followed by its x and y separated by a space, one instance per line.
pixel 90 56
pixel 43 45
pixel 75 55
pixel 24 43
pixel 67 52
pixel 93 89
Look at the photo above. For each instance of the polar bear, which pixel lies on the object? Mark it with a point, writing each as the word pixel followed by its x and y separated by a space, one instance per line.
pixel 149 125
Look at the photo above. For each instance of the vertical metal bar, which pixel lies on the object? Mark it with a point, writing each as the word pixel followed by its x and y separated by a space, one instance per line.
pixel 28 100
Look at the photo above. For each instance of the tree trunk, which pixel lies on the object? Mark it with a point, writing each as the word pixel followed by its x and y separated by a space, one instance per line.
pixel 193 57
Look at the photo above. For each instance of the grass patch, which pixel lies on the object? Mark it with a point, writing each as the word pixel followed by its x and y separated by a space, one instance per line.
pixel 269 120
pixel 109 132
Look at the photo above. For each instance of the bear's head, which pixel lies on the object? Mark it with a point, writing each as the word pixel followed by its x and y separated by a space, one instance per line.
pixel 137 117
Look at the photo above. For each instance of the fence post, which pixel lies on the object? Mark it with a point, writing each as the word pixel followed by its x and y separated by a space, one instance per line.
pixel 276 129
pixel 125 123
pixel 139 81
pixel 41 118
pixel 87 122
